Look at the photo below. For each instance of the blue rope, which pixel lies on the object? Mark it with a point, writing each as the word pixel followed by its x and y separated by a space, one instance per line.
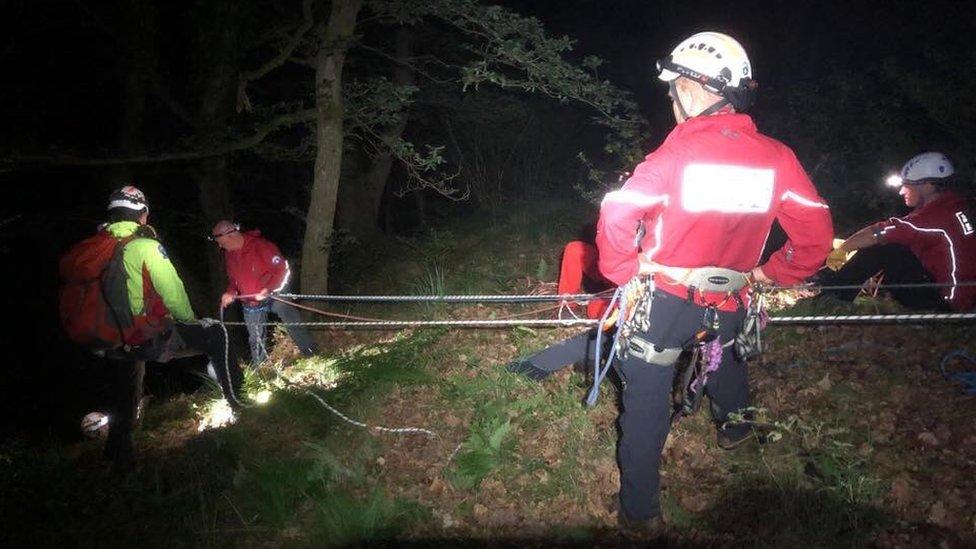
pixel 598 373
pixel 968 379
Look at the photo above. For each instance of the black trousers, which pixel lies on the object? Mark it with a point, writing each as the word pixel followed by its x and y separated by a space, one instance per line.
pixel 578 349
pixel 127 380
pixel 900 266
pixel 183 339
pixel 646 417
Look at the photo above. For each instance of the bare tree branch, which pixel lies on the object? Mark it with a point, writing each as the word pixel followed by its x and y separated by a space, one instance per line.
pixel 284 56
pixel 379 52
pixel 262 132
pixel 162 93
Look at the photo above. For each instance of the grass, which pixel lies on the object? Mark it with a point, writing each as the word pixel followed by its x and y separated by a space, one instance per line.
pixel 812 489
pixel 288 463
pixel 530 461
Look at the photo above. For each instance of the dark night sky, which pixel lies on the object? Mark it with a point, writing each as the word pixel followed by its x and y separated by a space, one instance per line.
pixel 62 90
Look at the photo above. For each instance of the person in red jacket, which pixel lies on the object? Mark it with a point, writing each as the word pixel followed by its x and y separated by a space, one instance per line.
pixel 706 200
pixel 933 244
pixel 578 274
pixel 255 270
pixel 579 271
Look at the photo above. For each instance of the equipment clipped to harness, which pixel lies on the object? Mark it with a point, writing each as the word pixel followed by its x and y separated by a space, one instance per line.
pixel 709 328
pixel 633 315
pixel 635 311
pixel 748 342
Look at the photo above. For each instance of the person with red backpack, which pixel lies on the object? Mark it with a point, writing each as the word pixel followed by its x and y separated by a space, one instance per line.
pixel 122 297
pixel 255 270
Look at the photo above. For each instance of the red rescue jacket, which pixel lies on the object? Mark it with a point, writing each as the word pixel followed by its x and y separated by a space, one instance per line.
pixel 258 264
pixel 941 235
pixel 708 196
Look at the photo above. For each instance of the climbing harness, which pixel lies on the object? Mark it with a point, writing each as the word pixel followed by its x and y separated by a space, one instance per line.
pixel 636 298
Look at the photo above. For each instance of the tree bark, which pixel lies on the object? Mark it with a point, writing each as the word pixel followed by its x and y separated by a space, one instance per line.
pixel 329 61
pixel 360 198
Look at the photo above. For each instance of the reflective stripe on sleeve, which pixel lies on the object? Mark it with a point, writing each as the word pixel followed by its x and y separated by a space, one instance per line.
pixel 790 195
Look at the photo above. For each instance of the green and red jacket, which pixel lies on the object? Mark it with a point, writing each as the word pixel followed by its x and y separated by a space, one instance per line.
pixel 154 288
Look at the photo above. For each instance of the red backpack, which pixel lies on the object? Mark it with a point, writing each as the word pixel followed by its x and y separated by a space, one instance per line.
pixel 94 302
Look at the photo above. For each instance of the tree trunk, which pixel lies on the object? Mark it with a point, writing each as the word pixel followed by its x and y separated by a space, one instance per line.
pixel 329 61
pixel 360 199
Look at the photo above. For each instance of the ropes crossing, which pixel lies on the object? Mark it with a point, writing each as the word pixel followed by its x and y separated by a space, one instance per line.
pixel 357 322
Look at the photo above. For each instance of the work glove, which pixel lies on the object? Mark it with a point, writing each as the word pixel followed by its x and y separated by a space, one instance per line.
pixel 837 258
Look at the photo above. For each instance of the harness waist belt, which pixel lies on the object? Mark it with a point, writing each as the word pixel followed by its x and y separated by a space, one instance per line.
pixel 706 279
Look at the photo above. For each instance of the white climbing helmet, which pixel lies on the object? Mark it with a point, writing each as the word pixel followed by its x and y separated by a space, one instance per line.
pixel 713 54
pixel 926 166
pixel 95 425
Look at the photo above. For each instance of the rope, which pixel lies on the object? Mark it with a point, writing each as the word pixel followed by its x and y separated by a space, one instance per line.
pixel 347 419
pixel 367 319
pixel 963 283
pixel 230 380
pixel 395 430
pixel 468 323
pixel 881 319
pixel 444 298
pixel 600 373
pixel 572 297
pixel 911 318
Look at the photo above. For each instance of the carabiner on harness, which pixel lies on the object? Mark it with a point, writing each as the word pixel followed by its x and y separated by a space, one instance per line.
pixel 748 342
pixel 633 316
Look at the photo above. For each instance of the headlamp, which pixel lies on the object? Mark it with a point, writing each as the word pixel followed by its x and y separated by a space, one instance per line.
pixel 894 181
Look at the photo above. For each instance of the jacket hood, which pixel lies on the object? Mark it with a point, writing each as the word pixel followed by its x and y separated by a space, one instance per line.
pixel 122 229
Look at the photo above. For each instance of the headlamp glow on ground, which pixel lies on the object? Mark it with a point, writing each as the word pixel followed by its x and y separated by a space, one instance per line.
pixel 894 180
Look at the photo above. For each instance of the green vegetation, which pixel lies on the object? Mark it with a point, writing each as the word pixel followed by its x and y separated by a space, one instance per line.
pixel 864 441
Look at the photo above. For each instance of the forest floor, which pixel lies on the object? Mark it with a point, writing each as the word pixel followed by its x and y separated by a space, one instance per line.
pixel 871 446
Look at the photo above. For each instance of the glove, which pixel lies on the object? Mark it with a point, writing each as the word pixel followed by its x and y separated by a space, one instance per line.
pixel 837 258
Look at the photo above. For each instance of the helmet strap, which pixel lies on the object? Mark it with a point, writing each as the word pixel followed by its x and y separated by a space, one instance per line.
pixel 673 93
pixel 712 109
pixel 716 107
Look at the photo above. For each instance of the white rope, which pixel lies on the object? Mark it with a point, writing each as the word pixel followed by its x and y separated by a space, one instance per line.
pixel 916 318
pixel 497 298
pixel 396 430
pixel 230 382
pixel 471 323
pixel 232 396
pixel 873 319
pixel 567 307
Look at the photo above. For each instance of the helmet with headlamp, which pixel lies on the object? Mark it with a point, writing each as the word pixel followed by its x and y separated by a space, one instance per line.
pixel 928 167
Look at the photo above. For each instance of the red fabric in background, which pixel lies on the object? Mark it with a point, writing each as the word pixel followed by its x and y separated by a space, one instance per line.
pixel 579 260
